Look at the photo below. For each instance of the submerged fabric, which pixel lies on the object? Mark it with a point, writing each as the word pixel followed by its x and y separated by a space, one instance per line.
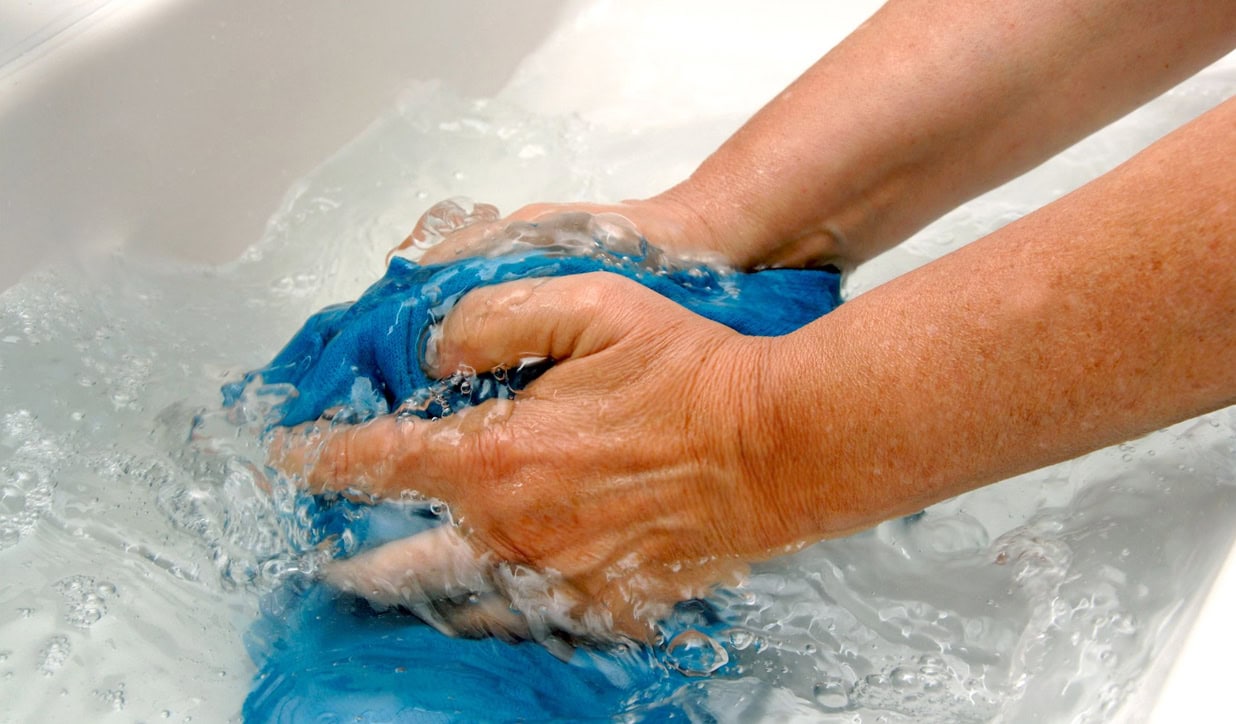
pixel 323 656
pixel 379 340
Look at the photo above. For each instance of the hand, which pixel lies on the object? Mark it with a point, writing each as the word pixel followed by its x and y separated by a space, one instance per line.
pixel 621 476
pixel 458 228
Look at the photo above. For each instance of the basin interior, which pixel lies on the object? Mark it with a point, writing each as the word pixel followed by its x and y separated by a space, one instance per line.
pixel 184 182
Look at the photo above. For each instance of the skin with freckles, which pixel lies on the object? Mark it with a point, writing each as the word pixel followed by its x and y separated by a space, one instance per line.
pixel 631 416
pixel 631 473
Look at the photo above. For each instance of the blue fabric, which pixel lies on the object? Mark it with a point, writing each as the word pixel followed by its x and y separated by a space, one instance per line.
pixel 329 657
pixel 323 656
pixel 380 338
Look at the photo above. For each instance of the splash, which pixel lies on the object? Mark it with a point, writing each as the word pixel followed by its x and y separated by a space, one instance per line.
pixel 138 517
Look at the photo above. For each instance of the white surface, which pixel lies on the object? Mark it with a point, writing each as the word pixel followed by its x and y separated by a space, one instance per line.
pixel 175 128
pixel 1196 688
pixel 132 124
pixel 28 26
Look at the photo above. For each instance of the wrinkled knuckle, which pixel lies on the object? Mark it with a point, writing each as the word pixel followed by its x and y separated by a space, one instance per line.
pixel 336 463
pixel 600 292
pixel 487 454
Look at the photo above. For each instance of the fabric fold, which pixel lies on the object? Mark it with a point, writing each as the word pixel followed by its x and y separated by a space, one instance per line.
pixel 325 656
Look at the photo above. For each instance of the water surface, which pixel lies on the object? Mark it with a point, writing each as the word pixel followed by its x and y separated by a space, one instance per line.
pixel 136 538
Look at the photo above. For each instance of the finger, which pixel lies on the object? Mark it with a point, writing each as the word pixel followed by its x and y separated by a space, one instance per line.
pixel 436 575
pixel 537 225
pixel 470 241
pixel 484 238
pixel 393 455
pixel 458 218
pixel 420 569
pixel 557 318
pixel 485 615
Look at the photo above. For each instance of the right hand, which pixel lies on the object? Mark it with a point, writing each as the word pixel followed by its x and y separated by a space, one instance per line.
pixel 620 482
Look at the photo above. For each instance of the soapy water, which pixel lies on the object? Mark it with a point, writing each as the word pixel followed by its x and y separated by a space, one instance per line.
pixel 139 527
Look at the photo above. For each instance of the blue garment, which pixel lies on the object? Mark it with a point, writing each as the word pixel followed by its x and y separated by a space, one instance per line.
pixel 380 339
pixel 326 656
pixel 322 654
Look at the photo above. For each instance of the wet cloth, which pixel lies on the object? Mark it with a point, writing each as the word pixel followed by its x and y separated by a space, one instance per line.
pixel 321 653
pixel 326 656
pixel 375 345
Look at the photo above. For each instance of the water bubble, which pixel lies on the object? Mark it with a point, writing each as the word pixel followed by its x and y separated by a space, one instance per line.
pixel 875 681
pixel 741 639
pixel 832 694
pixel 903 677
pixel 54 655
pixel 113 697
pixel 85 600
pixel 695 653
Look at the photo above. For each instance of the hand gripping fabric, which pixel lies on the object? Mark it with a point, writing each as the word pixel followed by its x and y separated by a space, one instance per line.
pixel 324 654
pixel 380 338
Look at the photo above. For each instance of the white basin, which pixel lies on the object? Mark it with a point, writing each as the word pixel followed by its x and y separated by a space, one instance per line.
pixel 172 129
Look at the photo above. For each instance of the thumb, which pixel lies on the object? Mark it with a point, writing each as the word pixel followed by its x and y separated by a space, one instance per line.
pixel 556 317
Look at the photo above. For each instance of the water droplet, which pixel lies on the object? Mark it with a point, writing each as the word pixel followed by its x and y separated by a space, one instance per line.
pixel 832 694
pixel 876 681
pixel 741 639
pixel 695 653
pixel 55 653
pixel 903 677
pixel 112 697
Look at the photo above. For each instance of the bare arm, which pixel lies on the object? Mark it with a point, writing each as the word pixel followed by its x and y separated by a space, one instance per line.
pixel 1103 316
pixel 1106 314
pixel 927 105
pixel 631 467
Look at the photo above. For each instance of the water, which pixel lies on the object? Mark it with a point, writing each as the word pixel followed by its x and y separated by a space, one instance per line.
pixel 137 533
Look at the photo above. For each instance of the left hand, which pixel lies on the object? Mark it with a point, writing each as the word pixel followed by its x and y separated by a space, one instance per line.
pixel 621 475
pixel 457 228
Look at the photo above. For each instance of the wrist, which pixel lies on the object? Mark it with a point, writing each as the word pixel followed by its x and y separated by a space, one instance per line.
pixel 772 455
pixel 809 437
pixel 751 223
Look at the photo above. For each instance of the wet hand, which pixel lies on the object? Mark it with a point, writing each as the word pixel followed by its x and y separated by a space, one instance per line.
pixel 458 228
pixel 615 485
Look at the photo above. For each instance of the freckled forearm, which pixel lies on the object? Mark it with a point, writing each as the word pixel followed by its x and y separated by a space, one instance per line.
pixel 931 103
pixel 1105 315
